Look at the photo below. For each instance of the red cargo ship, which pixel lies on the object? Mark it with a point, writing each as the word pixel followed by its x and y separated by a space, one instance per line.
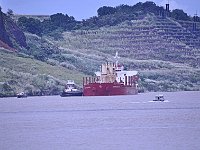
pixel 111 80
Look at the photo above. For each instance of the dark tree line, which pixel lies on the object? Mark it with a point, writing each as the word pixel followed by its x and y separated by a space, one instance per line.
pixel 106 16
pixel 57 21
pixel 180 15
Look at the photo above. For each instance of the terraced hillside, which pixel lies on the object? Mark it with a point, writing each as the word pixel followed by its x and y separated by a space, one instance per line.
pixel 166 52
pixel 188 25
pixel 150 38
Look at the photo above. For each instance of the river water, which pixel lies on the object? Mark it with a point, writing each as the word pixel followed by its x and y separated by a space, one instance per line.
pixel 101 123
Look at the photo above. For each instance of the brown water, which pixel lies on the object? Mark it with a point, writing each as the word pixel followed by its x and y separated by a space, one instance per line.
pixel 101 123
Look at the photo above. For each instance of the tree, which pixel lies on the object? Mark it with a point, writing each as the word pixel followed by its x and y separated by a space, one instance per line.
pixel 10 13
pixel 48 26
pixel 62 21
pixel 106 10
pixel 180 15
pixel 31 25
pixel 150 7
pixel 58 19
pixel 124 9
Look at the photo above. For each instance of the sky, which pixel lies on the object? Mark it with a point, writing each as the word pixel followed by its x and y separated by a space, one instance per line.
pixel 84 9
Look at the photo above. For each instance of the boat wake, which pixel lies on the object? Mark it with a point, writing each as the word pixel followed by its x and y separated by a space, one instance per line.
pixel 166 101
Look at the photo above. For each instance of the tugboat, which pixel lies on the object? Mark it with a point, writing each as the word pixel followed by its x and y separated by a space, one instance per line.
pixel 112 79
pixel 71 90
pixel 21 95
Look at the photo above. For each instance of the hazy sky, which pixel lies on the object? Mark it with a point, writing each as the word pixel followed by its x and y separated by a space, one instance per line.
pixel 83 9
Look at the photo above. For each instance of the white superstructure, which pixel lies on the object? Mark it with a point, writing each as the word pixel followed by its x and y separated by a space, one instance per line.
pixel 113 72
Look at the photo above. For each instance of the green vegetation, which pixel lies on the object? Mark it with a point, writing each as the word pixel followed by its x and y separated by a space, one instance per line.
pixel 164 47
pixel 30 25
pixel 180 15
pixel 171 80
pixel 32 76
pixel 107 16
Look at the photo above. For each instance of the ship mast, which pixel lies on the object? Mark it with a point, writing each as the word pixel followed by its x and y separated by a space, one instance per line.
pixel 116 58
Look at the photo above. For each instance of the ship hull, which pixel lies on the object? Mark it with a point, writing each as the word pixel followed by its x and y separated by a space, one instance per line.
pixel 21 96
pixel 108 89
pixel 67 94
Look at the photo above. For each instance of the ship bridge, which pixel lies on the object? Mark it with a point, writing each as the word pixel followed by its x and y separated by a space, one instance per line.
pixel 122 75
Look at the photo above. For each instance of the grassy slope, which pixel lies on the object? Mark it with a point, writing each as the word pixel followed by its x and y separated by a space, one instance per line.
pixel 156 75
pixel 85 51
pixel 98 46
pixel 150 38
pixel 22 73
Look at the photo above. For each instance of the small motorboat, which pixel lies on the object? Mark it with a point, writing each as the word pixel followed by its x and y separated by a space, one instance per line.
pixel 159 98
pixel 21 95
pixel 71 90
